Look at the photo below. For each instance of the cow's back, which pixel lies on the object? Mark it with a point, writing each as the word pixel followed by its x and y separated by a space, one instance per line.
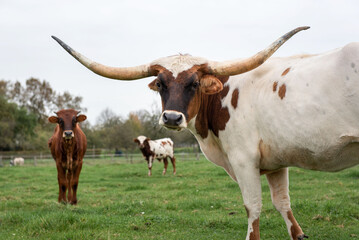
pixel 162 146
pixel 298 103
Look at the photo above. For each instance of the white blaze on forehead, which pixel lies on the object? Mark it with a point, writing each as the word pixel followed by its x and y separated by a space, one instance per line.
pixel 179 63
pixel 141 139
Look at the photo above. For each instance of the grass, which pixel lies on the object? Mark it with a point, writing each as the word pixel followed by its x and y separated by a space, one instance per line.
pixel 119 201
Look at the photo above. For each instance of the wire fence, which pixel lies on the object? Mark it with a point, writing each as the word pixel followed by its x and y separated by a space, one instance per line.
pixel 91 159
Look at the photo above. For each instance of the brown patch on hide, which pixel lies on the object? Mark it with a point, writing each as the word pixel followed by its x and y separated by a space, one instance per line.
pixel 254 235
pixel 163 143
pixel 234 100
pixel 275 84
pixel 281 91
pixel 211 115
pixel 146 150
pixel 285 72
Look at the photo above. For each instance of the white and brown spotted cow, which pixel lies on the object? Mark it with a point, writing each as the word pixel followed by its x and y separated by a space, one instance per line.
pixel 296 111
pixel 156 149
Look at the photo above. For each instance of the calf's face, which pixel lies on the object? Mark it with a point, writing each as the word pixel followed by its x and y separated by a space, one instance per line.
pixel 181 93
pixel 67 120
pixel 141 141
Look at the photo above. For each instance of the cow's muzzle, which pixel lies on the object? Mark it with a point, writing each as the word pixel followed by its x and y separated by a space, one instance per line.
pixel 67 135
pixel 173 120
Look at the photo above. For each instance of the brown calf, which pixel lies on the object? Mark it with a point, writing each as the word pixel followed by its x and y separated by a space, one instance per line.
pixel 68 146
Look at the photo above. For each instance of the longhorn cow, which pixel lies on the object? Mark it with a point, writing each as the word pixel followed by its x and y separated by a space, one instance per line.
pixel 295 111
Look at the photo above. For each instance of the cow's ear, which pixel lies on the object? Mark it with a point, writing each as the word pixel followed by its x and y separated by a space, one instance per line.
pixel 81 118
pixel 53 119
pixel 148 139
pixel 210 84
pixel 153 85
pixel 136 140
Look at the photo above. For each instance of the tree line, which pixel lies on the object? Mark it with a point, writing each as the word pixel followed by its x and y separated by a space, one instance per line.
pixel 24 110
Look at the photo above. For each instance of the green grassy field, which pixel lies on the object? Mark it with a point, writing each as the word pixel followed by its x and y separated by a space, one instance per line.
pixel 119 201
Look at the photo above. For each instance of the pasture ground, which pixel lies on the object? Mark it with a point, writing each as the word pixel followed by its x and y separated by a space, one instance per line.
pixel 119 201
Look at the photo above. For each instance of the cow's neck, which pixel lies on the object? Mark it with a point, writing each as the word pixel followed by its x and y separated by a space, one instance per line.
pixel 211 116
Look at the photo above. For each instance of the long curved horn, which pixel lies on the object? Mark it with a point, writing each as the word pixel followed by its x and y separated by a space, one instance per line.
pixel 234 67
pixel 126 73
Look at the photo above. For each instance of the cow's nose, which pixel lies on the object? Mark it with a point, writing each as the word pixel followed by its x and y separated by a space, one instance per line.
pixel 68 134
pixel 172 119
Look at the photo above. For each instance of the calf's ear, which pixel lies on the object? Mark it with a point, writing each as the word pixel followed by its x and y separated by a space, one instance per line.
pixel 53 119
pixel 210 85
pixel 81 118
pixel 136 140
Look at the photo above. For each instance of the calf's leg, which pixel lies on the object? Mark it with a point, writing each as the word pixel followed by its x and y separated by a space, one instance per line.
pixel 150 160
pixel 279 187
pixel 173 161
pixel 165 162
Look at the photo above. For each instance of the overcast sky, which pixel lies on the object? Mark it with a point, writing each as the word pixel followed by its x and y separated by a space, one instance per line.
pixel 130 32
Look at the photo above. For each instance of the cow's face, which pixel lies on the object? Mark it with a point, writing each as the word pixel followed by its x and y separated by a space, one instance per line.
pixel 67 120
pixel 182 81
pixel 141 141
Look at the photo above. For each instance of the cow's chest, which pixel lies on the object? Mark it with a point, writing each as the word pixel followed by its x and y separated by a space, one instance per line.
pixel 213 151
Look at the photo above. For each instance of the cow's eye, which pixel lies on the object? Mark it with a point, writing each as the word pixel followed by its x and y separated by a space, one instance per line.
pixel 61 122
pixel 158 84
pixel 73 122
pixel 195 84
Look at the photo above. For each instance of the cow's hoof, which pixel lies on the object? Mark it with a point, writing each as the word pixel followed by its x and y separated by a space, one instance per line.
pixel 301 237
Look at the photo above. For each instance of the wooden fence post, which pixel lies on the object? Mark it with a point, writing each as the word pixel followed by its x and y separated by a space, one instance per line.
pixel 35 161
pixel 1 163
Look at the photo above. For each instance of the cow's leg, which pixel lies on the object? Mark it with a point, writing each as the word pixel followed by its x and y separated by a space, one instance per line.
pixel 173 161
pixel 75 182
pixel 248 178
pixel 61 178
pixel 279 187
pixel 69 177
pixel 150 161
pixel 165 162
